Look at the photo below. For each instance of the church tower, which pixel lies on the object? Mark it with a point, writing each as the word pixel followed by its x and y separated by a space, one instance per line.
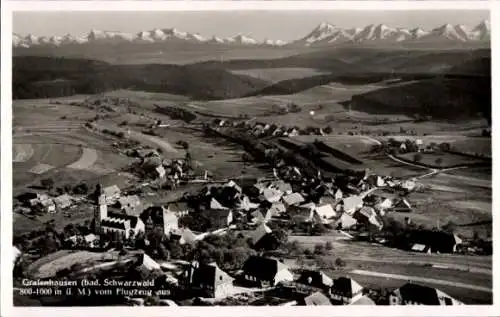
pixel 100 208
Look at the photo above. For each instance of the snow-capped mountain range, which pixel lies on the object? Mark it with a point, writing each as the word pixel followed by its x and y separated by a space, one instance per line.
pixel 323 34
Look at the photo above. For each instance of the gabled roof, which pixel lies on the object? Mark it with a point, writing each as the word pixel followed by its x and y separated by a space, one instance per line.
pixel 419 294
pixel 209 274
pixel 185 233
pixel 368 212
pixel 293 199
pixel 325 211
pixel 214 204
pixel 246 204
pixel 147 262
pixel 282 186
pixel 347 221
pixel 345 286
pixel 232 184
pixel 114 216
pixel 260 232
pixel 327 200
pixel 352 203
pixel 277 208
pixel 310 206
pixel 317 299
pixel 263 268
pixel 385 204
pixel 315 278
pixel 272 195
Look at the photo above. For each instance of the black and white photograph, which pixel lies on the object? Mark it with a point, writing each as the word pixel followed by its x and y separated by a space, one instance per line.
pixel 251 158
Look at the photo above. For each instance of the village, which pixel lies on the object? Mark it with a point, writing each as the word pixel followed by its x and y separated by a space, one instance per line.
pixel 229 242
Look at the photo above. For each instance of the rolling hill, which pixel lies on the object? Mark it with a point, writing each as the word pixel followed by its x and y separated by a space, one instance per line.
pixel 43 77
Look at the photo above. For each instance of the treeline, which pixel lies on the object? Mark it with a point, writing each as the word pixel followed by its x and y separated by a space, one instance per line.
pixel 48 77
pixel 437 98
pixel 176 113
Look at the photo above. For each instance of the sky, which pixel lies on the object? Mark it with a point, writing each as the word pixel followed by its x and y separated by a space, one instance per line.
pixel 282 25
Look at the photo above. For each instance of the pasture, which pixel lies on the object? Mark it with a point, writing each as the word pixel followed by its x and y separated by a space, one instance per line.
pixel 222 158
pixel 440 159
pixel 274 75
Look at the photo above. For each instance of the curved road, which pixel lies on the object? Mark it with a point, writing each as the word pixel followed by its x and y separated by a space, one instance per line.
pixel 142 138
pixel 422 280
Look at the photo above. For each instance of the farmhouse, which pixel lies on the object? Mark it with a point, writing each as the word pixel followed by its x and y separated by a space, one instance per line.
pixel 63 201
pixel 345 290
pixel 435 241
pixel 271 195
pixel 325 213
pixel 369 216
pixel 402 205
pixel 315 279
pixel 47 205
pixel 346 222
pixel 208 280
pixel 220 218
pixel 414 294
pixel 265 272
pixel 282 186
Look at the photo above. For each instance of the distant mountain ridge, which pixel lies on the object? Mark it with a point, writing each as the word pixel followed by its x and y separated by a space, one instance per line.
pixel 323 34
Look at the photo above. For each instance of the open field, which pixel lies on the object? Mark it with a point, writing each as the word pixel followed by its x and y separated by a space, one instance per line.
pixel 278 74
pixel 45 147
pixel 474 145
pixel 48 266
pixel 352 144
pixel 222 158
pixel 441 159
pixel 358 146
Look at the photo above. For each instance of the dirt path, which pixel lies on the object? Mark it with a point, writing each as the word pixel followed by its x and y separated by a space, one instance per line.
pixel 165 146
pixel 423 280
pixel 88 158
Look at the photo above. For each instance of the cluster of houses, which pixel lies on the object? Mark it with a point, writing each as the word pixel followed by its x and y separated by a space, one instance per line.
pixel 153 166
pixel 44 203
pixel 259 129
pixel 273 279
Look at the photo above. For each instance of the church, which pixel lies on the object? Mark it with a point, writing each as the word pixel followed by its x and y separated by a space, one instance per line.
pixel 104 222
